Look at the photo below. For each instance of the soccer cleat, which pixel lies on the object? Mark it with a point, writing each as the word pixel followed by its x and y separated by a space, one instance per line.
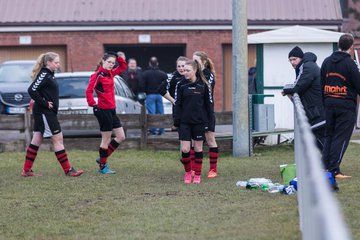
pixel 197 179
pixel 98 160
pixel 341 175
pixel 187 177
pixel 30 174
pixel 73 173
pixel 212 173
pixel 106 170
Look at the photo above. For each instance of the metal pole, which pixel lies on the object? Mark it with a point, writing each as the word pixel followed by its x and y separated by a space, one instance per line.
pixel 240 108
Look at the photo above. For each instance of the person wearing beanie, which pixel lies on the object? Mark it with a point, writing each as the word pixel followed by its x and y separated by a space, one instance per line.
pixel 307 85
pixel 296 52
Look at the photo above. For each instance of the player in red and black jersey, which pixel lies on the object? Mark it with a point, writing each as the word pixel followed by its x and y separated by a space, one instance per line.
pixel 102 82
pixel 44 91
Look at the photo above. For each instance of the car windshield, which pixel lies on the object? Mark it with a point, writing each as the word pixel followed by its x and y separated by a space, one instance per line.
pixel 16 72
pixel 72 87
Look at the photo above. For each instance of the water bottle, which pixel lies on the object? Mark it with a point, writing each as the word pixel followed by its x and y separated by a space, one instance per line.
pixel 241 183
pixel 252 185
pixel 272 187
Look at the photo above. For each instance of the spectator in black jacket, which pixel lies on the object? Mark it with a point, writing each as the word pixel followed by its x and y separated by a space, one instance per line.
pixel 340 80
pixel 133 76
pixel 151 80
pixel 307 85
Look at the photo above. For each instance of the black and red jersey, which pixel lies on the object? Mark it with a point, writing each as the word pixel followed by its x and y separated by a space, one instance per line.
pixel 102 81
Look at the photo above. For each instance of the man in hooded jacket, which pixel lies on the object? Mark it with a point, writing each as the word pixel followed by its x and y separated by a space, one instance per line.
pixel 307 85
pixel 340 80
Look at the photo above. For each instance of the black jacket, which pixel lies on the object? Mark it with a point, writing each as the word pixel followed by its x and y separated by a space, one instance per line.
pixel 44 89
pixel 210 77
pixel 152 79
pixel 193 103
pixel 133 79
pixel 340 80
pixel 307 85
pixel 170 84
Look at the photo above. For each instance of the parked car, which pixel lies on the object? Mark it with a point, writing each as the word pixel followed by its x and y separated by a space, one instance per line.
pixel 72 98
pixel 15 78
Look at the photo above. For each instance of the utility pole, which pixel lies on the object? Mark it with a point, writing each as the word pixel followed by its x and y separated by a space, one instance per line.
pixel 240 99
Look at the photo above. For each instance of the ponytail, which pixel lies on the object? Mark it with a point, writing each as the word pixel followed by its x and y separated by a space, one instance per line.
pixel 206 61
pixel 41 62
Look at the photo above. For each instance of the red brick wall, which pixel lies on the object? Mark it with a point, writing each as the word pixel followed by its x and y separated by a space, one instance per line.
pixel 84 49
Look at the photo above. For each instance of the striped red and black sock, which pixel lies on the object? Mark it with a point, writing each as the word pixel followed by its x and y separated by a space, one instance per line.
pixel 185 159
pixel 31 153
pixel 198 162
pixel 112 147
pixel 63 160
pixel 103 152
pixel 213 156
pixel 192 157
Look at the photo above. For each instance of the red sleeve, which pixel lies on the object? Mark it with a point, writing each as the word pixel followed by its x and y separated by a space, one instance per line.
pixel 121 68
pixel 90 90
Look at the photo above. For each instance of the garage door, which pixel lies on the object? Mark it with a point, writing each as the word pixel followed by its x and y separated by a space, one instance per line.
pixel 227 86
pixel 31 53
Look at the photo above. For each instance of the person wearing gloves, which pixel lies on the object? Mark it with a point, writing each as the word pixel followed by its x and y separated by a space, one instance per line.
pixel 307 85
pixel 102 82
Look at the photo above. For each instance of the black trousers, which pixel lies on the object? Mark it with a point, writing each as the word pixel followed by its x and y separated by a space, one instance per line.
pixel 339 127
pixel 319 134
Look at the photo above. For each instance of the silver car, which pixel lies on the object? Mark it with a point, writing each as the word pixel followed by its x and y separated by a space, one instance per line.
pixel 72 87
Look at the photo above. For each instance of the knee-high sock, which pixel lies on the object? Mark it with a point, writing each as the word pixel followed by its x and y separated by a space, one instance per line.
pixel 213 156
pixel 185 159
pixel 198 162
pixel 192 157
pixel 31 153
pixel 103 152
pixel 63 160
pixel 112 147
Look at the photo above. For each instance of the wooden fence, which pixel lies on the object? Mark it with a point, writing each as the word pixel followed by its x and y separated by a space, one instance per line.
pixel 142 122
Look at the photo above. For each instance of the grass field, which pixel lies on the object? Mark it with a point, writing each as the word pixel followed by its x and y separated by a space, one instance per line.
pixel 147 199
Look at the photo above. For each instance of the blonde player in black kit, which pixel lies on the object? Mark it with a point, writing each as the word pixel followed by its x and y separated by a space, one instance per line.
pixel 45 92
pixel 193 107
pixel 208 69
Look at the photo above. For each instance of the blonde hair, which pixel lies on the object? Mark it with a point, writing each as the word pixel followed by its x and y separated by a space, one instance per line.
pixel 208 63
pixel 41 62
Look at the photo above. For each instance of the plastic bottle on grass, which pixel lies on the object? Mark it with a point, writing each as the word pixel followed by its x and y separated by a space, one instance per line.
pixel 241 183
pixel 252 185
pixel 272 187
